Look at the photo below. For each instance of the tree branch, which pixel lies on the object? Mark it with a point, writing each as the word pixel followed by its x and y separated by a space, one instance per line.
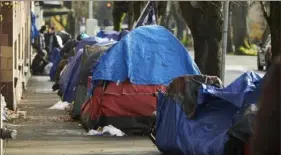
pixel 267 18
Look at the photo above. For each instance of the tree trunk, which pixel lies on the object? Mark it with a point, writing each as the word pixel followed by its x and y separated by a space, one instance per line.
pixel 117 15
pixel 266 33
pixel 229 35
pixel 239 23
pixel 205 23
pixel 275 27
pixel 130 15
pixel 161 12
pixel 179 22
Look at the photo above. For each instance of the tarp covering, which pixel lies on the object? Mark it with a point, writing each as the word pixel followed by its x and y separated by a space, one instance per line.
pixel 67 75
pixel 146 55
pixel 34 30
pixel 216 113
pixel 185 90
pixel 55 58
pixel 79 82
pixel 111 35
pixel 73 70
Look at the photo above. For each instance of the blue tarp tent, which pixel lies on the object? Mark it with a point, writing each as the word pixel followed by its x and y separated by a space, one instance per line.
pixel 70 76
pixel 146 55
pixel 65 80
pixel 215 113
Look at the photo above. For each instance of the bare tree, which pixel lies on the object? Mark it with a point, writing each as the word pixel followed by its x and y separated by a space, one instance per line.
pixel 273 19
pixel 239 11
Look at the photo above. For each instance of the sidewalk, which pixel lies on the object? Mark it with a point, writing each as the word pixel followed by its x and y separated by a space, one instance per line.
pixel 50 132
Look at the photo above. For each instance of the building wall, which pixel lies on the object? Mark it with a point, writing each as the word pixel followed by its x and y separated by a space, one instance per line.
pixel 15 50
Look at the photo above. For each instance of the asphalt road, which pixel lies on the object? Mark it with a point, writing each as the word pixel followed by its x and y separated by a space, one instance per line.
pixel 49 132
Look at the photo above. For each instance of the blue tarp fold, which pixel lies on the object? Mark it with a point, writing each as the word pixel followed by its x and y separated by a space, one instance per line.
pixel 207 133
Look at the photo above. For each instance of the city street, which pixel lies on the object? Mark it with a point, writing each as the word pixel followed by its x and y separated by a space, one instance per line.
pixel 49 132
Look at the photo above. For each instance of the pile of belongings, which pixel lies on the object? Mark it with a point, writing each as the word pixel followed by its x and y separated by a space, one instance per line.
pixel 197 115
pixel 126 77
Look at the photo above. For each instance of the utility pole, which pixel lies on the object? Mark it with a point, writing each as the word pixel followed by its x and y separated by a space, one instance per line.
pixel 90 9
pixel 224 37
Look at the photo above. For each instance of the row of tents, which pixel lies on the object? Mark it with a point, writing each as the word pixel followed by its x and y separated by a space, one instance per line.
pixel 122 82
pixel 124 78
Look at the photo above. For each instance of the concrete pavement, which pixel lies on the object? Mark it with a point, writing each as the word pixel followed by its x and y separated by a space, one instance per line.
pixel 50 132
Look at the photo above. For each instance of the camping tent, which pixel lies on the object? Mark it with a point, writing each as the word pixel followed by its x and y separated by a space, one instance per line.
pixel 90 56
pixel 216 110
pixel 70 76
pixel 129 73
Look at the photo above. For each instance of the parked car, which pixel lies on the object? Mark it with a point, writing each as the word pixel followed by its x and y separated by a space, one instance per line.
pixel 264 54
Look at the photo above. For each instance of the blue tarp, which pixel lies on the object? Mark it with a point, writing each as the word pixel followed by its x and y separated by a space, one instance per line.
pixel 215 112
pixel 64 75
pixel 71 70
pixel 54 55
pixel 146 55
pixel 111 35
pixel 34 30
pixel 55 59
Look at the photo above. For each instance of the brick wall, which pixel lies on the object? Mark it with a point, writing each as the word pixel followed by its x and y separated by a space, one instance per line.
pixel 14 49
pixel 6 50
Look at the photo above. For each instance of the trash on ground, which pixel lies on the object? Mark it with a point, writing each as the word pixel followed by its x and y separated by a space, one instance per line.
pixel 13 115
pixel 106 131
pixel 60 105
pixel 47 68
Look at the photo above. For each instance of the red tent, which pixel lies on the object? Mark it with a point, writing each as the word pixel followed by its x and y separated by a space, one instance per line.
pixel 125 106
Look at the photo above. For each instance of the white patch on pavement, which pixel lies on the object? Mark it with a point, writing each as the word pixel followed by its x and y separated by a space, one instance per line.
pixel 60 105
pixel 106 131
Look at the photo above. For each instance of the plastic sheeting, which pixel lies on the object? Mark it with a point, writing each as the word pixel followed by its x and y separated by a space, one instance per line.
pixel 90 60
pixel 146 55
pixel 90 41
pixel 54 55
pixel 34 30
pixel 216 113
pixel 111 35
pixel 73 72
pixel 68 75
pixel 55 59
